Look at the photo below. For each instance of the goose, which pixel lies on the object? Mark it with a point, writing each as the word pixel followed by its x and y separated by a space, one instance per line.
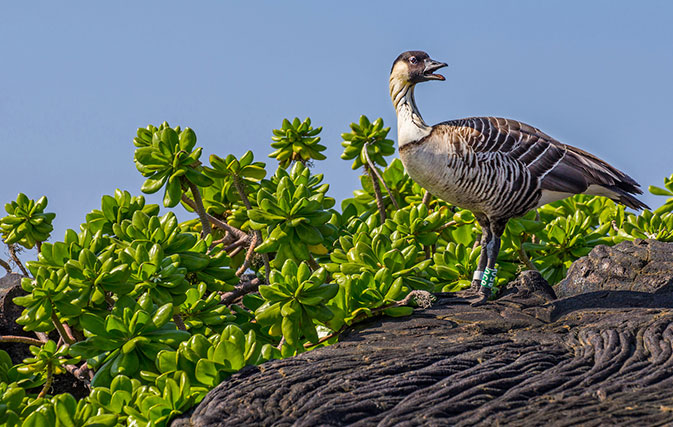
pixel 497 168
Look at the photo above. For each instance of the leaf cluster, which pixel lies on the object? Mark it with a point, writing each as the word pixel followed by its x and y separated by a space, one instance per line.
pixel 367 138
pixel 26 223
pixel 291 212
pixel 296 141
pixel 294 300
pixel 166 156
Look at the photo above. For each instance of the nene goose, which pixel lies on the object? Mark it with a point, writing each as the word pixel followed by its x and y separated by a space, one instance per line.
pixel 497 168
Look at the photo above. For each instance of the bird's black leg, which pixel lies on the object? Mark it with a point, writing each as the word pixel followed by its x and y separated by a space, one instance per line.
pixel 486 236
pixel 492 249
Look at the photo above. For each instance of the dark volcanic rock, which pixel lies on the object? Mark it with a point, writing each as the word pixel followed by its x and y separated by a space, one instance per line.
pixel 10 287
pixel 641 265
pixel 602 358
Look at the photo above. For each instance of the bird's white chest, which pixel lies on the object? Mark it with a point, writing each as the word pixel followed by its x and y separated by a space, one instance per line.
pixel 408 130
pixel 428 164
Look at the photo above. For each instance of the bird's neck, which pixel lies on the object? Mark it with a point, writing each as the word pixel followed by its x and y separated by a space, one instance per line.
pixel 410 125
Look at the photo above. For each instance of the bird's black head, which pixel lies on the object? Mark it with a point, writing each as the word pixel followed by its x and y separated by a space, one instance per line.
pixel 415 66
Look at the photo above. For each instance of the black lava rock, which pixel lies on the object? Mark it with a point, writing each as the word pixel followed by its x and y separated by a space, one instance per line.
pixel 641 265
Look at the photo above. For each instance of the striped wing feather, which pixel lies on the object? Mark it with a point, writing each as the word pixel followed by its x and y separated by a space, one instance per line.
pixel 557 167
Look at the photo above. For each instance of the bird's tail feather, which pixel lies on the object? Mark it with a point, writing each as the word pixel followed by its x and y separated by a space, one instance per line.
pixel 582 172
pixel 618 194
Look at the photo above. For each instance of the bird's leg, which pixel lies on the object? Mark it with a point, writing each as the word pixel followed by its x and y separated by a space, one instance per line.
pixel 490 271
pixel 492 250
pixel 486 236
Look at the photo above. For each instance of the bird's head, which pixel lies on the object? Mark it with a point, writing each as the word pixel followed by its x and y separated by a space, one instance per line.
pixel 414 67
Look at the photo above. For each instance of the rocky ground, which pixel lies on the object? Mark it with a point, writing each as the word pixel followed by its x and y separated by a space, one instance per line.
pixel 602 354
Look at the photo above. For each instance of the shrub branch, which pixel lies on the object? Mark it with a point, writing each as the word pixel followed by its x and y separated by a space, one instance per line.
pixel 378 175
pixel 240 189
pixel 198 207
pixel 216 222
pixel 244 288
pixel 523 256
pixel 6 266
pixel 17 261
pixel 61 328
pixel 177 319
pixel 20 340
pixel 249 254
pixel 426 198
pixel 377 191
pixel 47 384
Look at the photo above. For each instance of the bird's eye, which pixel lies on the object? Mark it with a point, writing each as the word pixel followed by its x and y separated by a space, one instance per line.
pixel 413 60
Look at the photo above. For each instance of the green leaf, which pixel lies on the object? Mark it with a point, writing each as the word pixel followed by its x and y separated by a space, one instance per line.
pixel 309 234
pixel 93 323
pixel 317 294
pixel 233 355
pixel 162 315
pixel 153 184
pixel 254 172
pixel 308 328
pixel 38 419
pixel 399 311
pixel 198 178
pixel 187 139
pixel 289 268
pixel 658 191
pixel 273 293
pixel 173 193
pixel 125 364
pixel 170 137
pixel 290 328
pixel 206 372
pixel 167 361
pixel 263 217
pixel 268 313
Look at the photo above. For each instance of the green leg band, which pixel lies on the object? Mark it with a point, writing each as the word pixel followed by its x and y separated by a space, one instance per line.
pixel 489 277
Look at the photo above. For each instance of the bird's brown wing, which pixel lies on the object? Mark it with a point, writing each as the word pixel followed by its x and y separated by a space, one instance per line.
pixel 557 167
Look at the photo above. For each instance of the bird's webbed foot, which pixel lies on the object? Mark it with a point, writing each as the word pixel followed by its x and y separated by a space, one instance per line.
pixel 473 290
pixel 482 284
pixel 482 296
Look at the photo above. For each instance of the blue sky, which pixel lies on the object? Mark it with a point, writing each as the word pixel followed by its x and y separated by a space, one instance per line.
pixel 79 77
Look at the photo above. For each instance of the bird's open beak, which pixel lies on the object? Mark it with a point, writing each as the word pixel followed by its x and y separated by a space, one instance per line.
pixel 430 67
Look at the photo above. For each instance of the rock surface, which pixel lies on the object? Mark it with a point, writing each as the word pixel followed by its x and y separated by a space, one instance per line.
pixel 599 358
pixel 10 287
pixel 641 265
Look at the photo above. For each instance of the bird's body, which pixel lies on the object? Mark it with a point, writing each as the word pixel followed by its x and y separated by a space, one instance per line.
pixel 497 168
pixel 503 168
